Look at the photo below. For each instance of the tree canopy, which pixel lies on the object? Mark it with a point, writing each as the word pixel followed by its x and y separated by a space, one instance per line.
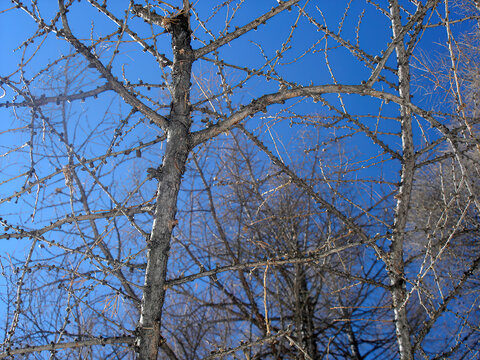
pixel 240 179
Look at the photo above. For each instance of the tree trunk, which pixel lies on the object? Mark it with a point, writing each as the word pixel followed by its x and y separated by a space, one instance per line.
pixel 304 312
pixel 169 177
pixel 396 263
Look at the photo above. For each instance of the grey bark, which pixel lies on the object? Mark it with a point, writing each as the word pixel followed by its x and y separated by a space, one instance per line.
pixel 396 265
pixel 177 149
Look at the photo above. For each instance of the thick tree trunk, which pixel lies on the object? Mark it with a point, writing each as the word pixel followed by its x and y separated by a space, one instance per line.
pixel 169 176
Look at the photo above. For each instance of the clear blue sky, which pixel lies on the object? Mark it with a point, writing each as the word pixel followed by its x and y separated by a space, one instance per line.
pixel 374 34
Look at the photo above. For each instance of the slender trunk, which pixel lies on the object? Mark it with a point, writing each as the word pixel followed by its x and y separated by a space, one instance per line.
pixel 304 312
pixel 396 264
pixel 169 176
pixel 352 339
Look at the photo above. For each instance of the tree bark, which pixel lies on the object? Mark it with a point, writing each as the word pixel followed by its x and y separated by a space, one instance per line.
pixel 169 176
pixel 304 312
pixel 396 264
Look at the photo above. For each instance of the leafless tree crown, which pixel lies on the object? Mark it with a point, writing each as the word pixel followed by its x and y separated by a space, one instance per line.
pixel 240 179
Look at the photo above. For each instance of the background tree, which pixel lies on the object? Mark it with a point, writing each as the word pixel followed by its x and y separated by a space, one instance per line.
pixel 245 222
pixel 444 214
pixel 147 213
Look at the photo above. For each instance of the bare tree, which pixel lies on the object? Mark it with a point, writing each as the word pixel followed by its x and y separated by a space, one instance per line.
pixel 444 214
pixel 148 213
pixel 290 275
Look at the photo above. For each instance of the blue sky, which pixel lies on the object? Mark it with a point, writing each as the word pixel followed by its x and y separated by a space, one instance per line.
pixel 374 34
pixel 16 26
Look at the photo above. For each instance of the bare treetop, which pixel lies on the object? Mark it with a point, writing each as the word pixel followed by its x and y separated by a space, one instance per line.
pixel 239 179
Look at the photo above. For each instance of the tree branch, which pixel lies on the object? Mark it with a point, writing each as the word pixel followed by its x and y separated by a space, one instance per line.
pixel 244 29
pixel 114 83
pixel 128 340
